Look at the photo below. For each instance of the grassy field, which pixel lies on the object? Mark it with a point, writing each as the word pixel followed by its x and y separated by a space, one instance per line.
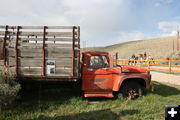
pixel 65 102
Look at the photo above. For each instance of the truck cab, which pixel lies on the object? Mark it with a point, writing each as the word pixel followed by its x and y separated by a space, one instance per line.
pixel 101 78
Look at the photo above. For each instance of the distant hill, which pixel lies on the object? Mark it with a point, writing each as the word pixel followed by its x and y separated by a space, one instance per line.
pixel 159 48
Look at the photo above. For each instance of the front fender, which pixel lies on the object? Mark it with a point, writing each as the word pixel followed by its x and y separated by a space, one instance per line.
pixel 119 79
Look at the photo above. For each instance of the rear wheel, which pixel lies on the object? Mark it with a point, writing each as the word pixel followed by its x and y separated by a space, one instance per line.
pixel 131 90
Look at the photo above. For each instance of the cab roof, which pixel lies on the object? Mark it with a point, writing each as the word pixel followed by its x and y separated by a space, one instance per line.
pixel 92 53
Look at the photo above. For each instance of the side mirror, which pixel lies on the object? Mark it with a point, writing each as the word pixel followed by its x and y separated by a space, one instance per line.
pixel 85 65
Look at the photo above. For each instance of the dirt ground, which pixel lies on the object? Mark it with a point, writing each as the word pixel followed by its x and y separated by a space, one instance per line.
pixel 168 79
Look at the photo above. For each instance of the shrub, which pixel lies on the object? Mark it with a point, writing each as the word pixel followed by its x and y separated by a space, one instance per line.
pixel 9 89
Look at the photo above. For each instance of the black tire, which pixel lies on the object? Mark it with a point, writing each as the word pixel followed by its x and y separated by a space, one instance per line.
pixel 131 90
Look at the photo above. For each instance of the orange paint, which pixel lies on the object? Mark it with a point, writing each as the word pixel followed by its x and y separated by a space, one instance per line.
pixel 101 82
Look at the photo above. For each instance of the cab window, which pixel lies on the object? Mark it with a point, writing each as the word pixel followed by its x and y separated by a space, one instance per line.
pixel 97 62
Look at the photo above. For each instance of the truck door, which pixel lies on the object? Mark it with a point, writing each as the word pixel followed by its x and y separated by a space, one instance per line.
pixel 97 74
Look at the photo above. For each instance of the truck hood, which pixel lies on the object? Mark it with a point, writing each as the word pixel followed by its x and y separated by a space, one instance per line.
pixel 134 69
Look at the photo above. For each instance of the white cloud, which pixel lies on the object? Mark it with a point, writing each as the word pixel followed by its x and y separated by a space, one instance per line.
pixel 168 1
pixel 157 4
pixel 160 2
pixel 169 26
pixel 97 18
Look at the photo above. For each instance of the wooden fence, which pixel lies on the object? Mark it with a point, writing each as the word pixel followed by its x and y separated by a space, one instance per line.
pixel 162 65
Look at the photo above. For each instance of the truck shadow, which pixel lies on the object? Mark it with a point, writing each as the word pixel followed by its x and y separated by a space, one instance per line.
pixel 106 114
pixel 163 90
pixel 48 91
pixel 61 92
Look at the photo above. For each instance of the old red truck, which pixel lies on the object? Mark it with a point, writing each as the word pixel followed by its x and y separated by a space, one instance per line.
pixel 52 53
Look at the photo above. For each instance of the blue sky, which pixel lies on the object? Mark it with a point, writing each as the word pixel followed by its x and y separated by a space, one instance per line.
pixel 103 22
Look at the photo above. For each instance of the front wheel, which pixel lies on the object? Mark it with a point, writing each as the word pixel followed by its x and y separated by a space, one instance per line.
pixel 131 90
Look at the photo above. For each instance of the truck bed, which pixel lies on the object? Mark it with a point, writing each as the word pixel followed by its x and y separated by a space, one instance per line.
pixel 40 51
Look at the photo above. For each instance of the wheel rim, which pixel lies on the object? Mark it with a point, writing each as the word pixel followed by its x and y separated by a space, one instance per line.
pixel 132 93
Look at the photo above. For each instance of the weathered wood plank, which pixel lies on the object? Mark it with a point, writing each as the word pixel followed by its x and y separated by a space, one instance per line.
pixel 33 53
pixel 30 54
pixel 1 63
pixel 2 32
pixel 1 49
pixel 30 44
pixel 27 50
pixel 30 60
pixel 61 34
pixel 59 58
pixel 40 27
pixel 59 51
pixel 59 39
pixel 46 45
pixel 2 26
pixel 47 39
pixel 33 71
pixel 30 64
pixel 29 47
pixel 63 71
pixel 58 45
pixel 60 27
pixel 57 55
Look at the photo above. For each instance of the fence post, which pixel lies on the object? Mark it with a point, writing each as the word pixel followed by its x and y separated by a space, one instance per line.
pixel 169 66
pixel 116 58
pixel 148 64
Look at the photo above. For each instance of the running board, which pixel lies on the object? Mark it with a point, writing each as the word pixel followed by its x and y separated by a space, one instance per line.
pixel 107 94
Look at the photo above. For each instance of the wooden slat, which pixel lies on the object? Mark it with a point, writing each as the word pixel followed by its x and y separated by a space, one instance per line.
pixel 46 45
pixel 29 47
pixel 61 34
pixel 60 27
pixel 2 26
pixel 62 72
pixel 59 51
pixel 30 54
pixel 62 63
pixel 40 39
pixel 30 60
pixel 11 52
pixel 2 32
pixel 1 62
pixel 34 71
pixel 27 50
pixel 57 55
pixel 32 27
pixel 58 45
pixel 11 61
pixel 30 44
pixel 30 64
pixel 41 27
pixel 59 39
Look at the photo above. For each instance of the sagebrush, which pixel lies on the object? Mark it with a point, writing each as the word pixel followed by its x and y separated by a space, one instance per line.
pixel 9 89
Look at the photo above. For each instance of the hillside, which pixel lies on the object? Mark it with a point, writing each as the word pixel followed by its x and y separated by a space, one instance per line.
pixel 159 48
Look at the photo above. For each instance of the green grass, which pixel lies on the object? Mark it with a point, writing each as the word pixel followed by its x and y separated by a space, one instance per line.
pixel 65 102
